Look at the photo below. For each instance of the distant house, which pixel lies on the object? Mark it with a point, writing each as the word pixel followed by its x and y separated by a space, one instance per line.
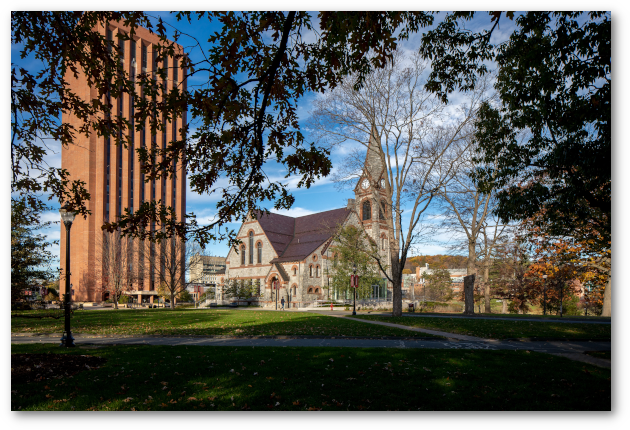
pixel 457 277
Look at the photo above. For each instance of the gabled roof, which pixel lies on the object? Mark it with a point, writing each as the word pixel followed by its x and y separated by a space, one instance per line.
pixel 283 273
pixel 294 239
pixel 278 228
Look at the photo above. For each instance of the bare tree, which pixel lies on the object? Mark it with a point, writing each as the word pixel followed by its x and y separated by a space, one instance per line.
pixel 418 138
pixel 468 212
pixel 116 267
pixel 175 264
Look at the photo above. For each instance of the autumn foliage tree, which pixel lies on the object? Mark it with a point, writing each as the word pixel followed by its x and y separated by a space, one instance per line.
pixel 578 260
pixel 252 69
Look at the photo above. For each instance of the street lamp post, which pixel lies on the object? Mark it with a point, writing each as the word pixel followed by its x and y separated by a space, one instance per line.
pixel 354 302
pixel 67 216
pixel 545 294
pixel 275 287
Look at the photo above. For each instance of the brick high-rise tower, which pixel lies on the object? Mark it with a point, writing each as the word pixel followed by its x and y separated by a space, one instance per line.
pixel 112 172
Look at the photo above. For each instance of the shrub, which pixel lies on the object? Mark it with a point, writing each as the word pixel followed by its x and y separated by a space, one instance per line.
pixel 512 308
pixel 570 307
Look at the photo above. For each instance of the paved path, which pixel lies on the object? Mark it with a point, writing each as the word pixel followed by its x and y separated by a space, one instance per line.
pixel 416 329
pixel 573 350
pixel 550 346
pixel 414 315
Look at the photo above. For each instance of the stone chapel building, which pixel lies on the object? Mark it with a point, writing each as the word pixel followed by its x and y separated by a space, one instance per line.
pixel 296 252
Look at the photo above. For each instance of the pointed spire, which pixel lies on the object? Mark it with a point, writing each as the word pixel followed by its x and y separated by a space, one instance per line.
pixel 373 161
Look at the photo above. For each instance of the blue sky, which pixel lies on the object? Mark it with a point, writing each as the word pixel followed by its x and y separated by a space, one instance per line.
pixel 323 195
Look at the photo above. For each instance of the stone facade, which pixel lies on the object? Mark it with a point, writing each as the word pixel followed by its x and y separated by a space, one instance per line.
pixel 295 252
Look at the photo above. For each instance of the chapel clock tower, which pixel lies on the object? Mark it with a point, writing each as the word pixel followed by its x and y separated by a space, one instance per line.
pixel 373 204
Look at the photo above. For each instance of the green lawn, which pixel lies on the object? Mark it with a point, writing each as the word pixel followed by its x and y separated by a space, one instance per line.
pixel 501 329
pixel 270 378
pixel 524 316
pixel 204 323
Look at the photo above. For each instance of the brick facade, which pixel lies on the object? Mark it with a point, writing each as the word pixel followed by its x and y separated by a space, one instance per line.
pixel 112 173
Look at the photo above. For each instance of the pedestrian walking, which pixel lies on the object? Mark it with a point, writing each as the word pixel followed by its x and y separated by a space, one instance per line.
pixel 282 303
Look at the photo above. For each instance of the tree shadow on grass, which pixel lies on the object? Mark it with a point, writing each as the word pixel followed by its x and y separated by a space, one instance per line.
pixel 165 322
pixel 270 378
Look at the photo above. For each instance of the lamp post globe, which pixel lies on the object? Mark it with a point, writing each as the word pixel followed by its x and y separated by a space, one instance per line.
pixel 67 217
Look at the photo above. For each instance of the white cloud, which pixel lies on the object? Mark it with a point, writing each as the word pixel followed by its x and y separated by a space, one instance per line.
pixel 294 212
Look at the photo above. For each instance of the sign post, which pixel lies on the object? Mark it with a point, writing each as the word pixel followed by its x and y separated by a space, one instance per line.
pixel 354 283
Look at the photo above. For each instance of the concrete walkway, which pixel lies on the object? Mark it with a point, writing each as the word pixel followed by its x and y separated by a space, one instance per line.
pixel 416 329
pixel 572 350
pixel 323 311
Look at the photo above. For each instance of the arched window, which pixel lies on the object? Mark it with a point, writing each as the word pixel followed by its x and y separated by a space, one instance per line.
pixel 294 271
pixel 317 271
pixel 382 211
pixel 259 246
pixel 367 212
pixel 243 255
pixel 316 291
pixel 310 270
pixel 382 243
pixel 251 247
pixel 310 290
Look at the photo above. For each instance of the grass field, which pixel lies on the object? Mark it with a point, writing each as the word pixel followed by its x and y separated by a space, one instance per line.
pixel 269 378
pixel 502 329
pixel 525 316
pixel 204 323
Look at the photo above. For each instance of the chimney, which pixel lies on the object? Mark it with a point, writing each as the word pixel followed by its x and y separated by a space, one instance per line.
pixel 350 204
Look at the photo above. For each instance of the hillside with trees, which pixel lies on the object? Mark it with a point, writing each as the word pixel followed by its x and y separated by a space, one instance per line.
pixel 437 262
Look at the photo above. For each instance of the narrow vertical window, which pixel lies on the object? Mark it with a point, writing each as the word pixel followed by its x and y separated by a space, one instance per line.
pixel 144 58
pixel 132 131
pixel 259 251
pixel 108 140
pixel 251 247
pixel 174 182
pixel 367 212
pixel 242 256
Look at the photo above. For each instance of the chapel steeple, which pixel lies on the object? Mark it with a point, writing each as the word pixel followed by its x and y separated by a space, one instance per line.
pixel 373 162
pixel 373 204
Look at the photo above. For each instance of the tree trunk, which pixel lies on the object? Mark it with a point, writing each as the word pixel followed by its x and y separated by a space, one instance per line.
pixel 486 290
pixel 396 288
pixel 172 301
pixel 606 311
pixel 469 298
pixel 472 259
pixel 504 308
